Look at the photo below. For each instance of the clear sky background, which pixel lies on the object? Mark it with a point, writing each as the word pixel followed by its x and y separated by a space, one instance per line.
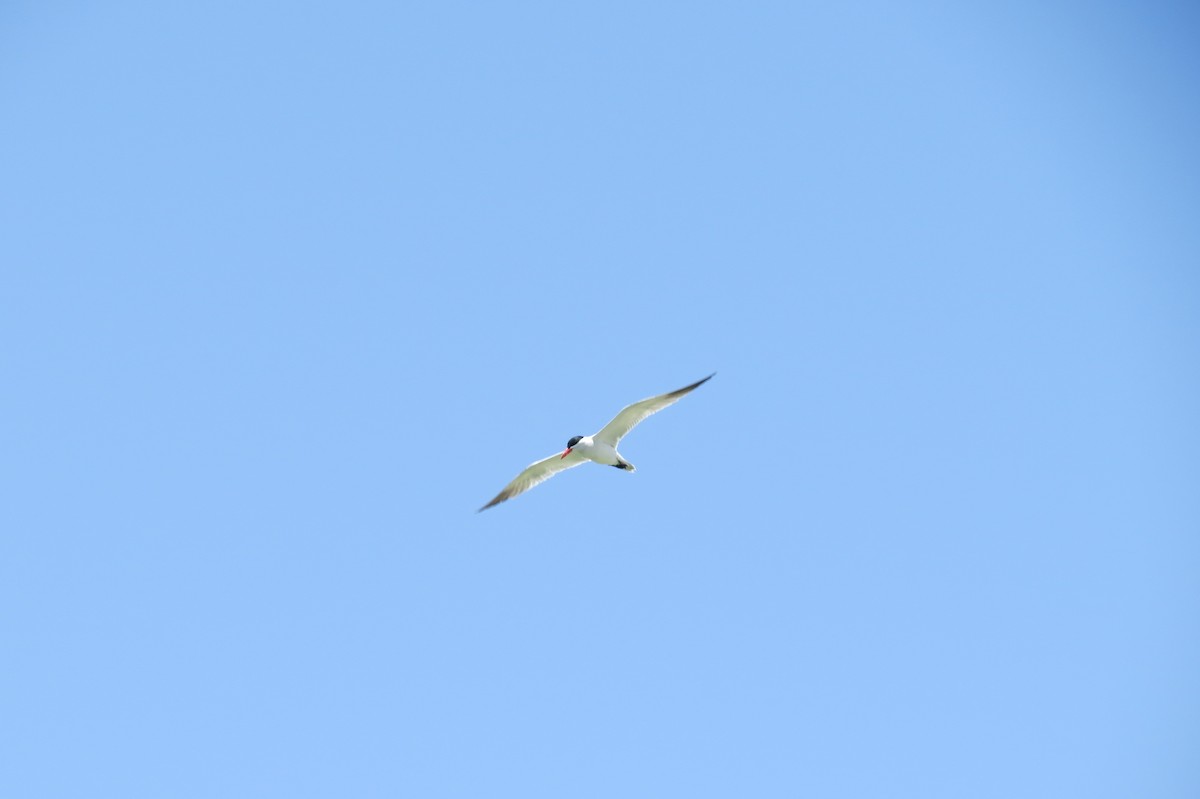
pixel 288 290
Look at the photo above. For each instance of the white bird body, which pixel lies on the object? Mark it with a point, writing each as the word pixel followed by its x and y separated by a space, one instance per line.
pixel 599 448
pixel 601 452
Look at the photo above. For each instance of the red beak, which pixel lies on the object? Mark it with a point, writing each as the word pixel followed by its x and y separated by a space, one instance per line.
pixel 565 454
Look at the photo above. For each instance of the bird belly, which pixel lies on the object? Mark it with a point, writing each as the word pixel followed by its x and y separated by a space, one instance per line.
pixel 598 452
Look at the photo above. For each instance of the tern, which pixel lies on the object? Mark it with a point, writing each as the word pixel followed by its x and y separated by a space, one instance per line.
pixel 599 448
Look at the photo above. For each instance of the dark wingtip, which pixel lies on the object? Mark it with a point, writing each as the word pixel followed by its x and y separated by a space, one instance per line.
pixel 495 501
pixel 693 386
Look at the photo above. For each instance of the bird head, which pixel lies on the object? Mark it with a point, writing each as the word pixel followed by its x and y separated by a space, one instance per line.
pixel 570 445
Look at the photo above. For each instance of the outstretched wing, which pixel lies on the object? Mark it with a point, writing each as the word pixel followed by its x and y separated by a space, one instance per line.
pixel 536 473
pixel 627 419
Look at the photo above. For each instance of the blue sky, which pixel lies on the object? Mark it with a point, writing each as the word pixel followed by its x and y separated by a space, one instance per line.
pixel 290 290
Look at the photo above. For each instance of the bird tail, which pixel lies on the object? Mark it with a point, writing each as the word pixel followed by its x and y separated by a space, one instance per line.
pixel 626 465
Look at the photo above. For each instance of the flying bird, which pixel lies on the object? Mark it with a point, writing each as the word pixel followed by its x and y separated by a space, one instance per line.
pixel 599 448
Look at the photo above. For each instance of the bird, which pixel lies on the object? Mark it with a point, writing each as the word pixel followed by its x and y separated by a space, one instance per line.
pixel 599 448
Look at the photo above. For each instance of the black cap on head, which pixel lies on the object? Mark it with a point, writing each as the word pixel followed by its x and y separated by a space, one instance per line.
pixel 574 440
